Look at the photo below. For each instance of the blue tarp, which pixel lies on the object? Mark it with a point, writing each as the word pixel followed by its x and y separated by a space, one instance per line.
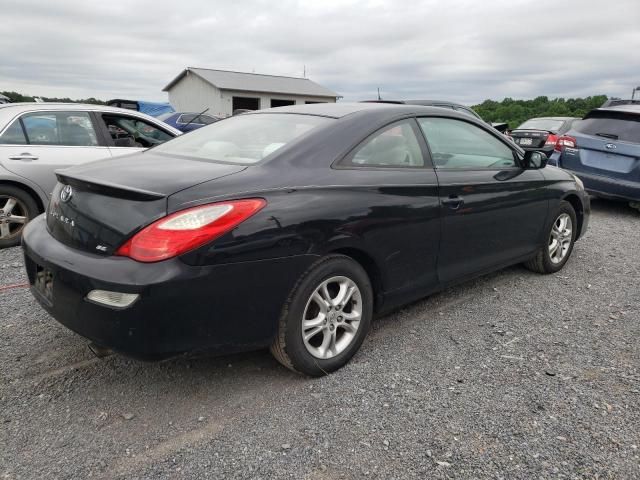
pixel 154 108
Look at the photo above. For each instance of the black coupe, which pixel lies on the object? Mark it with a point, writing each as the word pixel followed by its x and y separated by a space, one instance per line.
pixel 292 228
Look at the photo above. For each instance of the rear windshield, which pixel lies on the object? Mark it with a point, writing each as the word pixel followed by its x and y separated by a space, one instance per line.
pixel 613 125
pixel 197 118
pixel 542 124
pixel 245 139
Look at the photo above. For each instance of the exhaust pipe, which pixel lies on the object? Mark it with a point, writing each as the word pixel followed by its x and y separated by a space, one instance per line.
pixel 100 351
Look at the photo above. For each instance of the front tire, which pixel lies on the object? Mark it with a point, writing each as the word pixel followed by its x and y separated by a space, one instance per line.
pixel 561 236
pixel 326 318
pixel 17 208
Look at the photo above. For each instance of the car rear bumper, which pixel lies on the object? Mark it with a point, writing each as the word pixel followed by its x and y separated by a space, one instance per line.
pixel 609 187
pixel 181 308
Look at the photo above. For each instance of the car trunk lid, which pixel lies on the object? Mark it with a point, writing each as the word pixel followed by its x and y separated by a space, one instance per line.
pixel 530 138
pixel 603 156
pixel 97 206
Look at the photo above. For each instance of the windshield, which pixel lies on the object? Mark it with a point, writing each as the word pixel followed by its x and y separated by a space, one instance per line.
pixel 547 124
pixel 244 139
pixel 613 125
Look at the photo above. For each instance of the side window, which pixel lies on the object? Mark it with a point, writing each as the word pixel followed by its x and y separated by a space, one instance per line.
pixel 458 144
pixel 60 128
pixel 394 146
pixel 133 132
pixel 13 135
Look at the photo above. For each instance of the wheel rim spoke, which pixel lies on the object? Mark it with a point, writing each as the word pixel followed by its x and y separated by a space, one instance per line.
pixel 4 230
pixel 14 219
pixel 309 334
pixel 314 322
pixel 8 206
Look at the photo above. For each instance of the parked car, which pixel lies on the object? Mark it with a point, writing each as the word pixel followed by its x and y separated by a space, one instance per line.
pixel 541 133
pixel 187 121
pixel 291 227
pixel 603 149
pixel 154 109
pixel 38 138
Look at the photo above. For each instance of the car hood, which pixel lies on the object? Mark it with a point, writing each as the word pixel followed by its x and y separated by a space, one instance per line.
pixel 148 172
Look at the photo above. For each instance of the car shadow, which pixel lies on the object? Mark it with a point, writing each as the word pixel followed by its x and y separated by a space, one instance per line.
pixel 613 207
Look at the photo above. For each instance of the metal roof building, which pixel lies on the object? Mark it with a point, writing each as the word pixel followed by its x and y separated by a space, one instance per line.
pixel 222 91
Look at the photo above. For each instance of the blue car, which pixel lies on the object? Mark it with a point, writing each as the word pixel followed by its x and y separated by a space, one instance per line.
pixel 603 150
pixel 187 121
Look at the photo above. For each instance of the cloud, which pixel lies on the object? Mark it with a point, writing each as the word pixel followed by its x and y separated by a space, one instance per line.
pixel 464 51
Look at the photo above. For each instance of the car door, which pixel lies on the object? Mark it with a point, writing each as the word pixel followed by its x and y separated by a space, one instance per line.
pixel 393 176
pixel 37 143
pixel 493 210
pixel 127 134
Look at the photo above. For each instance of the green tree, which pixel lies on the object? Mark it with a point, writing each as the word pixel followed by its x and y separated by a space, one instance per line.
pixel 516 112
pixel 19 97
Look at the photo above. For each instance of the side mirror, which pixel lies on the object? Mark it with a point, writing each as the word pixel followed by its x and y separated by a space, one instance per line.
pixel 534 160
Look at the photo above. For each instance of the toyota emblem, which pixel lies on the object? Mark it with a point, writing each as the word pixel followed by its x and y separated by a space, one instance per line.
pixel 66 193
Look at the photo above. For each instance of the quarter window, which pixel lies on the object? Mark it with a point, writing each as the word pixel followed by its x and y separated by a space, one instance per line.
pixel 459 144
pixel 394 146
pixel 59 128
pixel 13 135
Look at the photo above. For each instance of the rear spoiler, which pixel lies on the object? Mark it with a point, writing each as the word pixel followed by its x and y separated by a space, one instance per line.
pixel 113 190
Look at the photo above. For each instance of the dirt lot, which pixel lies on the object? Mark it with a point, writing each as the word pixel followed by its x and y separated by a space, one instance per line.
pixel 514 375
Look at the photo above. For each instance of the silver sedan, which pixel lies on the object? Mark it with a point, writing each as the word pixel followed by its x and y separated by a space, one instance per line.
pixel 38 138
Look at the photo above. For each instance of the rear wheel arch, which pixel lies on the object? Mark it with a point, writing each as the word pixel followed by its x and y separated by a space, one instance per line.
pixel 27 189
pixel 576 203
pixel 370 266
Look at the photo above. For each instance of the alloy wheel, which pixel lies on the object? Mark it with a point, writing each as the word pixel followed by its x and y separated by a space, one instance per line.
pixel 331 317
pixel 13 217
pixel 560 238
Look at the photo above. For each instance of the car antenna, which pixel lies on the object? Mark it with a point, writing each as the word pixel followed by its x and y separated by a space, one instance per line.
pixel 197 116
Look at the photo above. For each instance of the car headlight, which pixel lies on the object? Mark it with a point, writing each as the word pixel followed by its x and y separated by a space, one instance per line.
pixel 579 183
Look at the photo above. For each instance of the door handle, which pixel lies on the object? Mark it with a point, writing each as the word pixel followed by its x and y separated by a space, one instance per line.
pixel 454 202
pixel 24 156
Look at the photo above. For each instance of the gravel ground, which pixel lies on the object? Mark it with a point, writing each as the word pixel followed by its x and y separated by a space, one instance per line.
pixel 514 375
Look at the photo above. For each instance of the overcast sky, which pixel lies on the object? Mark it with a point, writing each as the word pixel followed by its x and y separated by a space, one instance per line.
pixel 465 51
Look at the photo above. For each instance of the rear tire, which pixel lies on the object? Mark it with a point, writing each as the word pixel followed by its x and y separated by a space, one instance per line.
pixel 560 238
pixel 17 208
pixel 326 317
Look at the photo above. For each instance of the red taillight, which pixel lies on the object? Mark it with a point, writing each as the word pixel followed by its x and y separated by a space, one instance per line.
pixel 565 141
pixel 187 229
pixel 551 140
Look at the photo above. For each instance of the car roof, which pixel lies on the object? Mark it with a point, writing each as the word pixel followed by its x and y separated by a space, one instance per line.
pixel 339 110
pixel 31 106
pixel 620 108
pixel 8 111
pixel 552 118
